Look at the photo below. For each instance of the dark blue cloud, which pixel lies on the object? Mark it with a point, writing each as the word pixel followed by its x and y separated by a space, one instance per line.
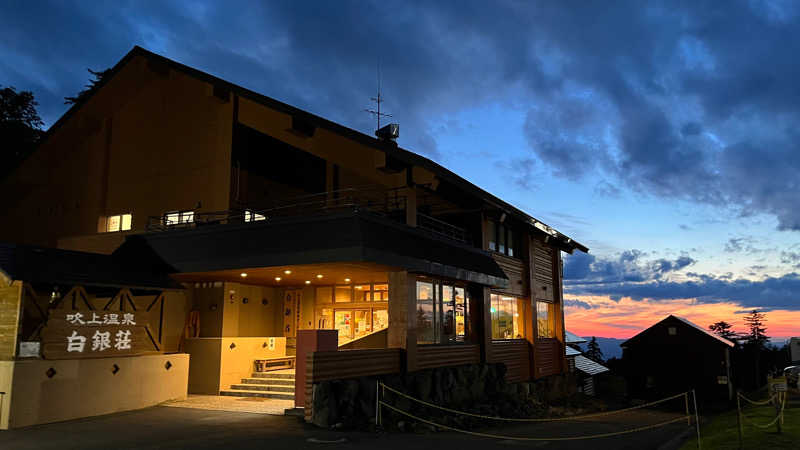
pixel 629 276
pixel 683 100
pixel 628 266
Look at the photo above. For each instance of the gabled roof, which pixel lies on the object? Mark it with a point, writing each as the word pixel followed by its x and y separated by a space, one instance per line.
pixel 569 351
pixel 572 338
pixel 589 366
pixel 685 322
pixel 392 150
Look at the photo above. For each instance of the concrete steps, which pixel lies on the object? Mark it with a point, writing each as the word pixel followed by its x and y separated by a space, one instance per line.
pixel 276 384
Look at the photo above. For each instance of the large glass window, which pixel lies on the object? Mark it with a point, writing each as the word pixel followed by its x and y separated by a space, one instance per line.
pixel 380 292
pixel 380 319
pixel 447 314
pixel 362 323
pixel 441 313
pixel 362 293
pixel 343 322
pixel 545 320
pixel 508 315
pixel 461 314
pixel 425 313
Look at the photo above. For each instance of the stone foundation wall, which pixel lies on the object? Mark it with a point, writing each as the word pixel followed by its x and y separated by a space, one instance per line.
pixel 477 388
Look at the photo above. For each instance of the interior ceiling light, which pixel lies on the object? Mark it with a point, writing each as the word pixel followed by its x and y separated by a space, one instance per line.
pixel 319 276
pixel 347 280
pixel 277 278
pixel 243 275
pixel 287 272
pixel 308 281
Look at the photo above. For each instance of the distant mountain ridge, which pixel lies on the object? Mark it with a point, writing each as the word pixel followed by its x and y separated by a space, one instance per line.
pixel 609 346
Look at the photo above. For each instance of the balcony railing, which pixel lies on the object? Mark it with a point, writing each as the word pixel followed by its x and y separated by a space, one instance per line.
pixel 388 203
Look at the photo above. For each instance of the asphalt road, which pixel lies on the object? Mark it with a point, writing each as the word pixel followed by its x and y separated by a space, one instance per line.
pixel 179 428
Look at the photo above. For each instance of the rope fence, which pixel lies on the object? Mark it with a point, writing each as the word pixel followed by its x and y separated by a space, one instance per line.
pixel 382 388
pixel 781 399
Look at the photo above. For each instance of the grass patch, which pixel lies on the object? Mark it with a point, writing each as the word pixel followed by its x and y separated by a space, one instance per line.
pixel 722 431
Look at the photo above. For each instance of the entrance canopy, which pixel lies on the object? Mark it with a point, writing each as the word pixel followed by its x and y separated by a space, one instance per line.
pixel 351 237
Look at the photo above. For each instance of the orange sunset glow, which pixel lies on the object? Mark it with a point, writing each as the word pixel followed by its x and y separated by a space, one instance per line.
pixel 625 318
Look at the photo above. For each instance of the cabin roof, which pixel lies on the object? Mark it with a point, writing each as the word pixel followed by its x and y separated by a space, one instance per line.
pixel 683 321
pixel 572 338
pixel 589 366
pixel 391 149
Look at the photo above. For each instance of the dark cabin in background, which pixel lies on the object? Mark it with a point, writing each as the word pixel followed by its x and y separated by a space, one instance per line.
pixel 675 356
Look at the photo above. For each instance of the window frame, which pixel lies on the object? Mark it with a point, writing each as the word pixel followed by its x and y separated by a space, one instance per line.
pixel 502 239
pixel 183 217
pixel 438 311
pixel 120 222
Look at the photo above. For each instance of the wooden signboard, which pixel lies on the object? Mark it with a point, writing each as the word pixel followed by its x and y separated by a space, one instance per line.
pixel 77 334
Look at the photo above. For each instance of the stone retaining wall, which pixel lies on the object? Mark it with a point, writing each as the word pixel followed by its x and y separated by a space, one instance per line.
pixel 478 388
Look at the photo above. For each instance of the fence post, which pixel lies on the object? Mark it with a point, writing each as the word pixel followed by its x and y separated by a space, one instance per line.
pixel 686 401
pixel 377 402
pixel 739 418
pixel 696 418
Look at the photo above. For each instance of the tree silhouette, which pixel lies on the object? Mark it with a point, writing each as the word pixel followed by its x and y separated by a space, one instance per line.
pixel 756 334
pixel 593 351
pixel 723 330
pixel 20 127
pixel 99 76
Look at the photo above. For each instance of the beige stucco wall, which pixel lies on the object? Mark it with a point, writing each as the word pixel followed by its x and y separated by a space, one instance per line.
pixel 216 366
pixel 204 370
pixel 87 387
pixel 237 362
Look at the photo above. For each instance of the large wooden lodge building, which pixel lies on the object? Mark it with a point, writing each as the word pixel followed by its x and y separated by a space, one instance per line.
pixel 172 229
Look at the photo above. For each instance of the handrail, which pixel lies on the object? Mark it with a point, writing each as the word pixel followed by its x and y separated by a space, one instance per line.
pixel 382 201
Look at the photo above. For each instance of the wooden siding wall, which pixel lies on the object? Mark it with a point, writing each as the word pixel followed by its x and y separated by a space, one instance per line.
pixel 516 271
pixel 516 355
pixel 326 366
pixel 548 357
pixel 544 272
pixel 433 356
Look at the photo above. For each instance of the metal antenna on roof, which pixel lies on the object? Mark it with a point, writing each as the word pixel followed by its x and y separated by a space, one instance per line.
pixel 378 100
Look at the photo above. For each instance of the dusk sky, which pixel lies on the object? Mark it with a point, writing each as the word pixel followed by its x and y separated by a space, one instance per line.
pixel 663 137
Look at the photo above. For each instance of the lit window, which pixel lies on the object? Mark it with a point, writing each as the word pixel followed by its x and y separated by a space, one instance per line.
pixel 113 223
pixel 178 217
pixel 545 320
pixel 507 317
pixel 119 222
pixel 441 313
pixel 250 216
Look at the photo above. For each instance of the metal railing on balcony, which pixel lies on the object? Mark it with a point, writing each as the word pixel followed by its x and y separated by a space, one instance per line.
pixel 390 203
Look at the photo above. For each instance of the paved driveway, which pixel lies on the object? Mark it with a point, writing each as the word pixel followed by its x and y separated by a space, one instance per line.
pixel 177 428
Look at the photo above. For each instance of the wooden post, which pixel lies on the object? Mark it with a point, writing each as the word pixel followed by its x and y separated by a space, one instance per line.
pixel 688 417
pixel 696 418
pixel 739 418
pixel 402 331
pixel 486 336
